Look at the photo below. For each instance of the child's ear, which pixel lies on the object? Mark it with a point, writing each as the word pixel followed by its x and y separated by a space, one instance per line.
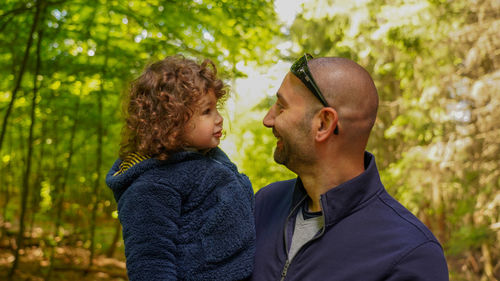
pixel 328 124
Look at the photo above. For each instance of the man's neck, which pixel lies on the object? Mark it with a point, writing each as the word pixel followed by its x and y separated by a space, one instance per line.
pixel 314 188
pixel 318 180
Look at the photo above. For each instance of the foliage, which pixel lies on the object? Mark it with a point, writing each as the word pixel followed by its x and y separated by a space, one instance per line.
pixel 255 144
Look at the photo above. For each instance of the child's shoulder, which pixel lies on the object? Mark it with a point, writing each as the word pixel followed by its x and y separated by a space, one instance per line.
pixel 181 169
pixel 190 162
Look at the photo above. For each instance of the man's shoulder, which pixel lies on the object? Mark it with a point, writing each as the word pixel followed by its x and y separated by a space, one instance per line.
pixel 406 219
pixel 275 197
pixel 276 190
pixel 417 250
pixel 272 205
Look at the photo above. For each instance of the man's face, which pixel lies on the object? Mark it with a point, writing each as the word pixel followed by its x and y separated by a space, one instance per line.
pixel 291 124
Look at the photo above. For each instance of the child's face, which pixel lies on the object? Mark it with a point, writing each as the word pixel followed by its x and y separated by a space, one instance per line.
pixel 204 129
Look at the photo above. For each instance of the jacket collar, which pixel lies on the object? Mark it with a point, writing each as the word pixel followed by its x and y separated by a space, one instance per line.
pixel 344 199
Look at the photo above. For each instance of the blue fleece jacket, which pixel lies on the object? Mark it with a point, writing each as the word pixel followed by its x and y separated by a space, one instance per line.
pixel 187 218
pixel 367 235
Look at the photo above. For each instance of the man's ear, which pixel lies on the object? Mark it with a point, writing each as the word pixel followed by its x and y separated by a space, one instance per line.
pixel 328 118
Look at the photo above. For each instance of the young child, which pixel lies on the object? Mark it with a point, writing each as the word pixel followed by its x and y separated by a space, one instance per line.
pixel 186 211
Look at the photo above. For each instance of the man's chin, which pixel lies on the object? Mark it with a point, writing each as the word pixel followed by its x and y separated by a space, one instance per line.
pixel 279 157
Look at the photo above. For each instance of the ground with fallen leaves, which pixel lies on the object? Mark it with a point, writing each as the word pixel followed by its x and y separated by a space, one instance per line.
pixel 70 264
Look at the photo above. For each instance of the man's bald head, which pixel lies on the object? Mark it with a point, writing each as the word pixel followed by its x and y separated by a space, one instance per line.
pixel 350 90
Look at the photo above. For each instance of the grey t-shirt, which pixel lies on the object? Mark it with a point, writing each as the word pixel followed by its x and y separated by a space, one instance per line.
pixel 305 230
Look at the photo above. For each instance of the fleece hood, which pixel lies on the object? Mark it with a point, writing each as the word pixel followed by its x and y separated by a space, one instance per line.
pixel 124 172
pixel 120 178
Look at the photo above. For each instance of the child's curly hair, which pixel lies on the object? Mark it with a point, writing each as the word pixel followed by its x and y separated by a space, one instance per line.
pixel 162 100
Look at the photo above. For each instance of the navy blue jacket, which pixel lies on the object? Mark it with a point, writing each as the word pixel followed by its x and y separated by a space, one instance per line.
pixel 187 218
pixel 367 236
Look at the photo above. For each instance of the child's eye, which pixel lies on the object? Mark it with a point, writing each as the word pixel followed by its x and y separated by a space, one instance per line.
pixel 206 111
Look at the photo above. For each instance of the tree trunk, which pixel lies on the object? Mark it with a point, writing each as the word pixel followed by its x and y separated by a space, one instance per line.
pixel 116 238
pixel 6 185
pixel 27 173
pixel 60 201
pixel 100 134
pixel 97 183
pixel 35 198
pixel 487 260
pixel 34 27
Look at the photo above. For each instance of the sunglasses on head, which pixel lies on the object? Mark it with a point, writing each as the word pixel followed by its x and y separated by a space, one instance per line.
pixel 300 69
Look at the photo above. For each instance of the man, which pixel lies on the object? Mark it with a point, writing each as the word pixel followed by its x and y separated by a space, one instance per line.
pixel 335 221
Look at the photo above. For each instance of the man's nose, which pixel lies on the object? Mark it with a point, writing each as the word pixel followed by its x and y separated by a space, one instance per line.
pixel 268 120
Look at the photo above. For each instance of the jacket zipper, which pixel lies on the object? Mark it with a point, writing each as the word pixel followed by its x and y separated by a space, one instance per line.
pixel 285 269
pixel 288 262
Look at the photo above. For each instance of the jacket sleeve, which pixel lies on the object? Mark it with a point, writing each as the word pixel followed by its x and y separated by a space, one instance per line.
pixel 424 263
pixel 148 214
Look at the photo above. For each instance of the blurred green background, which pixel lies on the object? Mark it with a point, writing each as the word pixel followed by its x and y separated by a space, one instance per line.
pixel 65 67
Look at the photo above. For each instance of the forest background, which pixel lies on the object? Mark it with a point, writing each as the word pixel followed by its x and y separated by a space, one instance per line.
pixel 66 64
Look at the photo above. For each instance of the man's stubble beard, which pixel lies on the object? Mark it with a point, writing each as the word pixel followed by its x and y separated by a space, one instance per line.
pixel 296 153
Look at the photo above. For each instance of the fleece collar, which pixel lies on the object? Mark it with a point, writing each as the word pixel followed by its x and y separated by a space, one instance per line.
pixel 346 198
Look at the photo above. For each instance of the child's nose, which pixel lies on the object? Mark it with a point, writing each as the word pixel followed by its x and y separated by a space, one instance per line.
pixel 218 119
